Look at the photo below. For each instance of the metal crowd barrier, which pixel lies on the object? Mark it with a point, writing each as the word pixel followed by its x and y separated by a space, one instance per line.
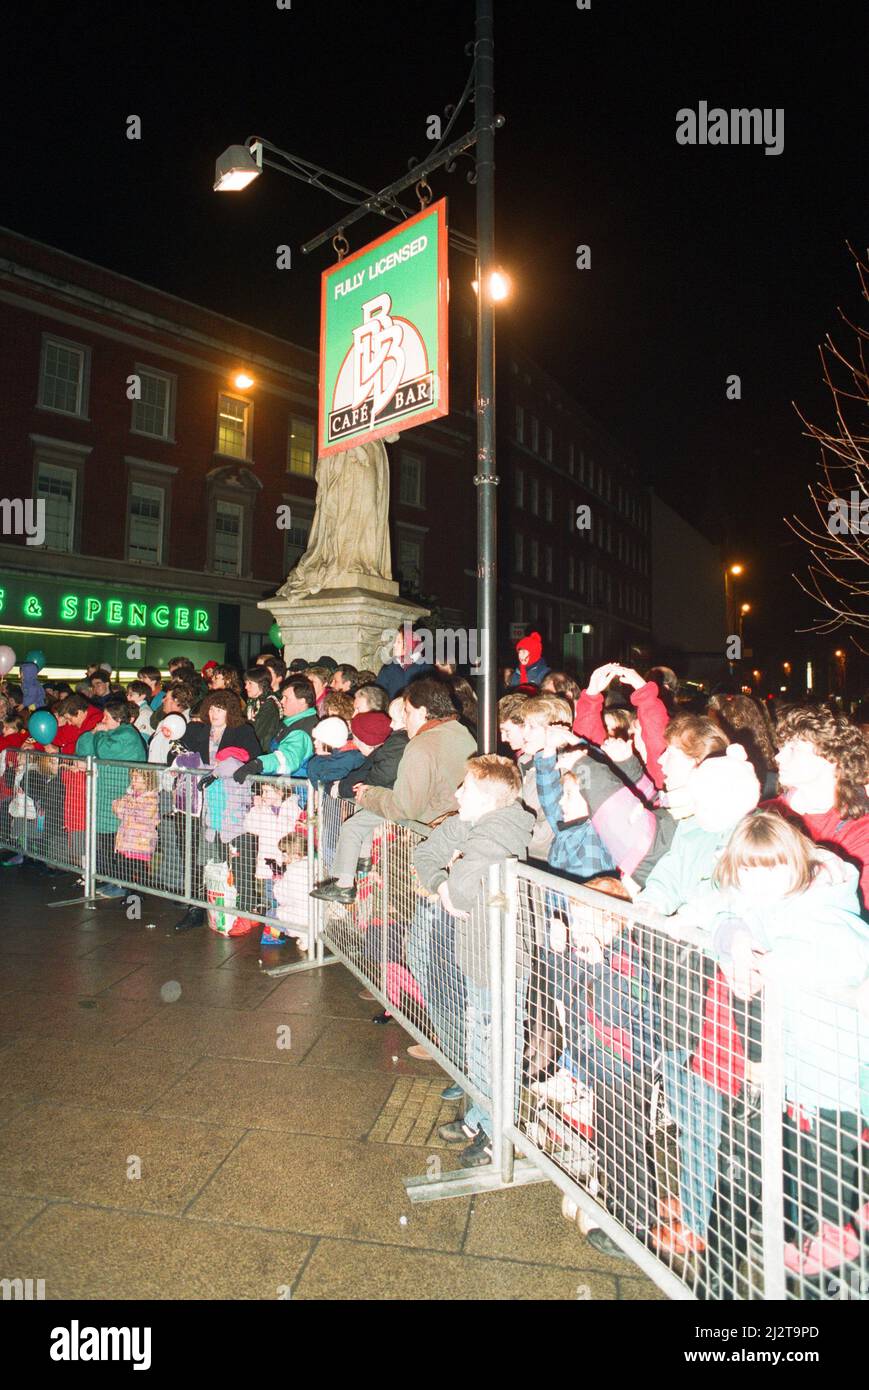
pixel 714 1124
pixel 46 811
pixel 438 976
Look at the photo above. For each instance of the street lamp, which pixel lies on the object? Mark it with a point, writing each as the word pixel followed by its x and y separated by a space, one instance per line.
pixel 240 164
pixel 744 608
pixel 500 286
pixel 242 381
pixel 731 572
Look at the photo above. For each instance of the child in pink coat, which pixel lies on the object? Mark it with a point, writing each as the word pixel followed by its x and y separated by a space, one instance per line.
pixel 136 838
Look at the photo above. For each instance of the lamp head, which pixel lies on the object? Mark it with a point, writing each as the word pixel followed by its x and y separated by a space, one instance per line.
pixel 235 169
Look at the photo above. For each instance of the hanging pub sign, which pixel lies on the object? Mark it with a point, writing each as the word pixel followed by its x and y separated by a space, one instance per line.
pixel 383 335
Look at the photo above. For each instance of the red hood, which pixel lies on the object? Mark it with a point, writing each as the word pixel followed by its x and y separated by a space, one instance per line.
pixel 533 645
pixel 241 755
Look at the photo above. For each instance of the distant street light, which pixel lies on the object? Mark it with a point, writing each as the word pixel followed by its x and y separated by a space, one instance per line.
pixel 731 572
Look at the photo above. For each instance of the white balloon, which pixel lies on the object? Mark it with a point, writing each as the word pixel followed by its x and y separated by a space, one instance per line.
pixel 7 660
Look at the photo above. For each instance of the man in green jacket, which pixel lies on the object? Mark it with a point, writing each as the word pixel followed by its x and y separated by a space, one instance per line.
pixel 114 740
pixel 298 706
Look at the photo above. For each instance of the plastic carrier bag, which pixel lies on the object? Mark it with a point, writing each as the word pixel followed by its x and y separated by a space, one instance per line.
pixel 221 895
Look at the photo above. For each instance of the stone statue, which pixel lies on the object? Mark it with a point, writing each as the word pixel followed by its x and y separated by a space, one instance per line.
pixel 350 532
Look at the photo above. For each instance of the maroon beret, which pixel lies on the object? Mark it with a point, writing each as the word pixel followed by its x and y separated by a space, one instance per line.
pixel 372 728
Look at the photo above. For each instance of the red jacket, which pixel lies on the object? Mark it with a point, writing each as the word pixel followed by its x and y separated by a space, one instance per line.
pixel 10 741
pixel 68 735
pixel 653 719
pixel 848 838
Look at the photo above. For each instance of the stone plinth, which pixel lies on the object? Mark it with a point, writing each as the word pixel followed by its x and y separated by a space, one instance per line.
pixel 351 624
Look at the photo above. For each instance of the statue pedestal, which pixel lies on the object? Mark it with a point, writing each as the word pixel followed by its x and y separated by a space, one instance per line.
pixel 350 622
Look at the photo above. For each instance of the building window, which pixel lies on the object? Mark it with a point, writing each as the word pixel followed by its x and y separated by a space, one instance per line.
pixel 581 576
pixel 56 487
pixel 571 459
pixel 518 609
pixel 228 538
pixel 547 555
pixel 145 525
pixel 534 439
pixel 300 448
pixel 519 488
pixel 152 412
pixel 520 424
pixel 571 574
pixel 63 377
pixel 296 540
pixel 410 489
pixel 534 556
pixel 547 504
pixel 232 427
pixel 534 500
pixel 518 551
pixel 410 561
pixel 547 444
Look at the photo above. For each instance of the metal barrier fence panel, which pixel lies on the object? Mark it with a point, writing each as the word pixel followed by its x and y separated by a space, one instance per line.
pixel 714 1120
pixel 433 970
pixel 44 807
pixel 237 849
pixel 677 1104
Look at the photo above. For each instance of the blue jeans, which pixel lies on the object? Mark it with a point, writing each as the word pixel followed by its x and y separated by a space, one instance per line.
pixel 698 1110
pixel 478 1046
pixel 431 958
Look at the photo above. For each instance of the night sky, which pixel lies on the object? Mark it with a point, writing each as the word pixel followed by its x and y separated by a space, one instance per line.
pixel 705 261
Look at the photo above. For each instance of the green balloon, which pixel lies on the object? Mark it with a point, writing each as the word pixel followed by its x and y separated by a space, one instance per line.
pixel 275 635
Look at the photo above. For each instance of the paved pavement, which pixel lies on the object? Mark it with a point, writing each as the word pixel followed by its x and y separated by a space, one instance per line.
pixel 176 1125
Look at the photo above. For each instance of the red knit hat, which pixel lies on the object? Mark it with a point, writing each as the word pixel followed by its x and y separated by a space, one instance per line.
pixel 209 666
pixel 533 645
pixel 371 728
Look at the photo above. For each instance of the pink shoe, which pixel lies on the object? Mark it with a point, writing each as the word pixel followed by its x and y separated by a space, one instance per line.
pixel 833 1246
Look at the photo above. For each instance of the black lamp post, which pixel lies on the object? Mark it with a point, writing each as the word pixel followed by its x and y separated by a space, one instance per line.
pixel 240 164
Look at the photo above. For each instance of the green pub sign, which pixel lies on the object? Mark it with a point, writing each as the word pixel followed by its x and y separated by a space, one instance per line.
pixel 383 335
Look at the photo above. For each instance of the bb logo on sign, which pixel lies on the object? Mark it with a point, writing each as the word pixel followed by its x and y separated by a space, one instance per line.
pixel 385 373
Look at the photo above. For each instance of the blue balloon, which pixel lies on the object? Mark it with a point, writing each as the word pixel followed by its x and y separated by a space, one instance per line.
pixel 37 656
pixel 42 726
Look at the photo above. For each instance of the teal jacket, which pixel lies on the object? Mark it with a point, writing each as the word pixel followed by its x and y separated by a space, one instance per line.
pixel 121 745
pixel 295 747
pixel 686 869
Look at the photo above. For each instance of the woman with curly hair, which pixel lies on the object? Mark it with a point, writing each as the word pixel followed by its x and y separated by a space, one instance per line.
pixel 823 763
pixel 747 721
pixel 226 678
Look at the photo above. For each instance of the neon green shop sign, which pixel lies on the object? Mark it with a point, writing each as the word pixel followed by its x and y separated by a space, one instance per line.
pixel 62 607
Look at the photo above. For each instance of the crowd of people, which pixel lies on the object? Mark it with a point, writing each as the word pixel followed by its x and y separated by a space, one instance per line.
pixel 750 830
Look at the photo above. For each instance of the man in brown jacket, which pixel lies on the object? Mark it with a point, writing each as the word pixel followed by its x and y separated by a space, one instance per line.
pixel 431 767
